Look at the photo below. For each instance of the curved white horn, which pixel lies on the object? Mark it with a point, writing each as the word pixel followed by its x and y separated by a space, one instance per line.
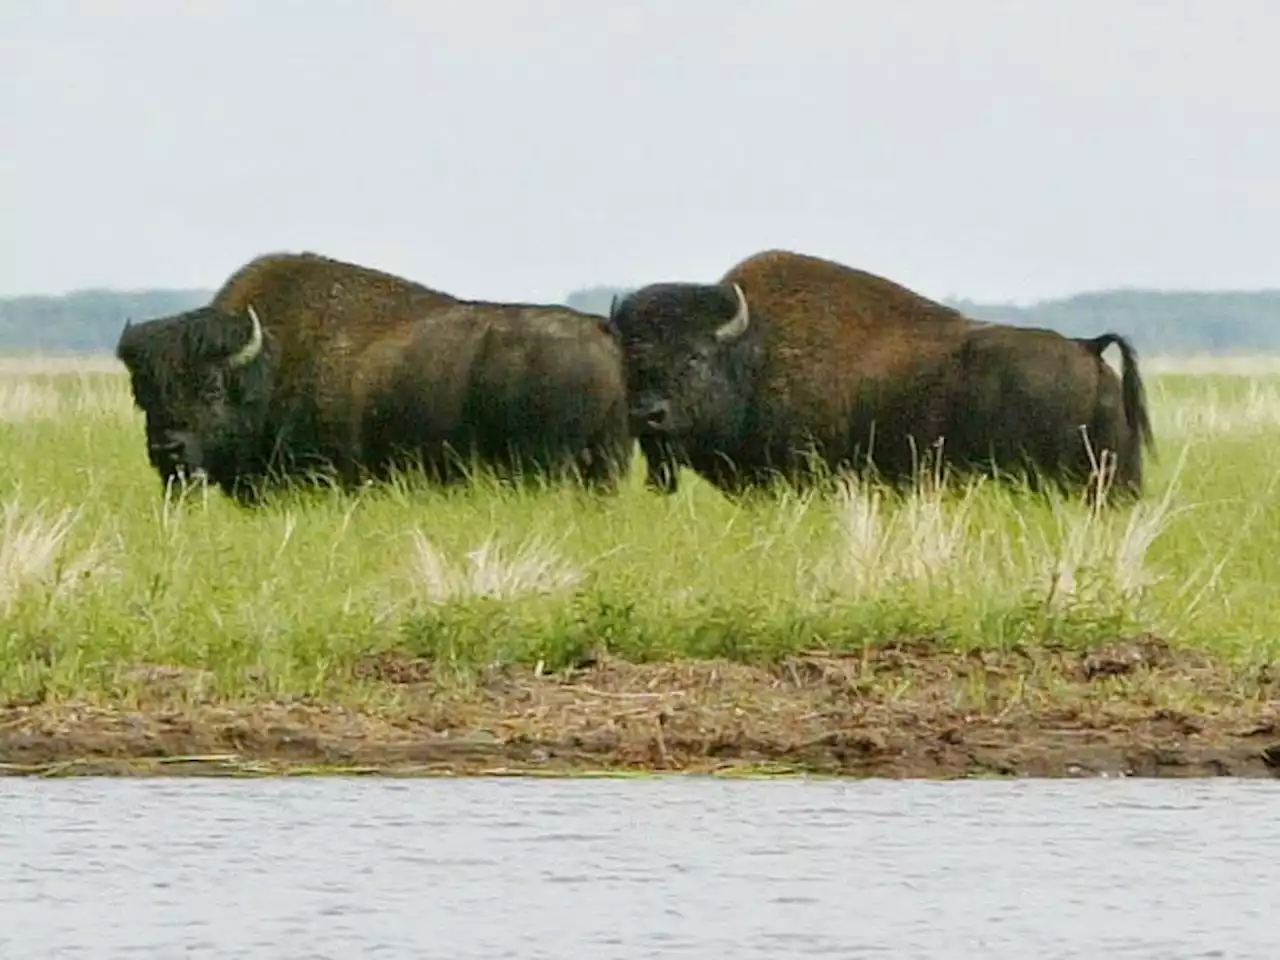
pixel 738 325
pixel 249 352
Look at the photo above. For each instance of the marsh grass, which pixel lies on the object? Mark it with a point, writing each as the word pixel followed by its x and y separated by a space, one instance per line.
pixel 104 582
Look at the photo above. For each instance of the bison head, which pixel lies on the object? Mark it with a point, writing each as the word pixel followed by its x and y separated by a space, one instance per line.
pixel 690 350
pixel 201 379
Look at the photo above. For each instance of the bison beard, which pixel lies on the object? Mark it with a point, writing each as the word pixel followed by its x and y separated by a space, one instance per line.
pixel 792 362
pixel 304 368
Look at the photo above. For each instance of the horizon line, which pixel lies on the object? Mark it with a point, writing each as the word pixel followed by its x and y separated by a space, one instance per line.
pixel 590 288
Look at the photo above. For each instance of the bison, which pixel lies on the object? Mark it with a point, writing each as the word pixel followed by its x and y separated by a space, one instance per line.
pixel 304 366
pixel 792 362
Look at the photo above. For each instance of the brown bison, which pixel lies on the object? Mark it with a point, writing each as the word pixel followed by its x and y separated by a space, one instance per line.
pixel 792 362
pixel 303 365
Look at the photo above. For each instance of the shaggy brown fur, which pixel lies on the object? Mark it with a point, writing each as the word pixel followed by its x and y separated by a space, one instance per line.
pixel 323 313
pixel 850 366
pixel 362 371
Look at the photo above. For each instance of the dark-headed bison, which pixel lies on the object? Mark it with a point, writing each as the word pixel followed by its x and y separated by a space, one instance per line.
pixel 303 365
pixel 791 358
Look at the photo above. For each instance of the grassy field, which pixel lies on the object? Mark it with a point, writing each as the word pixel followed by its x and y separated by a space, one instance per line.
pixel 102 583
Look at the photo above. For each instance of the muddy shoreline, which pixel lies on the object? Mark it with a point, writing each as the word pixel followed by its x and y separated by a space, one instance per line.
pixel 1138 708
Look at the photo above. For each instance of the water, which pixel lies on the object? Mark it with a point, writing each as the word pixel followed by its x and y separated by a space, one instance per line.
pixel 596 869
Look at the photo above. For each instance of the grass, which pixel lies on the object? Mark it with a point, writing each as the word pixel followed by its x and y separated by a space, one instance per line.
pixel 104 585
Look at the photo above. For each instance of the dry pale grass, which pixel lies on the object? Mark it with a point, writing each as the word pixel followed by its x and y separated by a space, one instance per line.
pixel 1241 365
pixel 1256 409
pixel 919 541
pixel 934 541
pixel 492 569
pixel 23 398
pixel 34 554
pixel 1099 553
pixel 40 365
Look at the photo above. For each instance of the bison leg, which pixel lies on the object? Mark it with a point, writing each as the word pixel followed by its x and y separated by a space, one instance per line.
pixel 661 466
pixel 598 468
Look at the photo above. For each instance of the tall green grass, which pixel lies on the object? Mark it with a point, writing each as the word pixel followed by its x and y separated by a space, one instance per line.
pixel 102 580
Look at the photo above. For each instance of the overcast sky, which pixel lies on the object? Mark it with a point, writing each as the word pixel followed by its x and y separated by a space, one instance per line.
pixel 519 149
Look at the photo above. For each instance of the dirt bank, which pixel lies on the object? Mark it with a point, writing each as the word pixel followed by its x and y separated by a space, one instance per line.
pixel 906 710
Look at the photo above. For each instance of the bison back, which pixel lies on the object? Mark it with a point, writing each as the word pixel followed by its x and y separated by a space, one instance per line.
pixel 504 383
pixel 324 314
pixel 848 354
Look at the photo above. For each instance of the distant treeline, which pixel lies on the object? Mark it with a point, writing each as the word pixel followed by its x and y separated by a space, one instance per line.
pixel 1163 323
pixel 87 321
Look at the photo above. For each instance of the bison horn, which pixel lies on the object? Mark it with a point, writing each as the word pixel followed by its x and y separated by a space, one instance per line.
pixel 738 325
pixel 249 352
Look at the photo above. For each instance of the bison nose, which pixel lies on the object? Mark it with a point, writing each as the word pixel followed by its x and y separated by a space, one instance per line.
pixel 168 446
pixel 174 448
pixel 170 451
pixel 653 415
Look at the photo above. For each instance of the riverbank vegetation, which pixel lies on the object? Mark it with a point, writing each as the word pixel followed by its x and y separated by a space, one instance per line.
pixel 476 609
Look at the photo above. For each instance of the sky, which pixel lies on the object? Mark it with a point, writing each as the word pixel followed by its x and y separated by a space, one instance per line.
pixel 522 149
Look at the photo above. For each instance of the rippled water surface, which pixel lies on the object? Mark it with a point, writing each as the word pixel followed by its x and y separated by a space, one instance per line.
pixel 654 868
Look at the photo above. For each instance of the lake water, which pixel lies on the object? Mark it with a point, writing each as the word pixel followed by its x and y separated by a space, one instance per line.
pixel 598 869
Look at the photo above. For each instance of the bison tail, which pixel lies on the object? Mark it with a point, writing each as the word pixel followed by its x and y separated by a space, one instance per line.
pixel 1131 385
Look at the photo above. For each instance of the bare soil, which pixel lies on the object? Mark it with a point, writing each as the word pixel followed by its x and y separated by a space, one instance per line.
pixel 1139 708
